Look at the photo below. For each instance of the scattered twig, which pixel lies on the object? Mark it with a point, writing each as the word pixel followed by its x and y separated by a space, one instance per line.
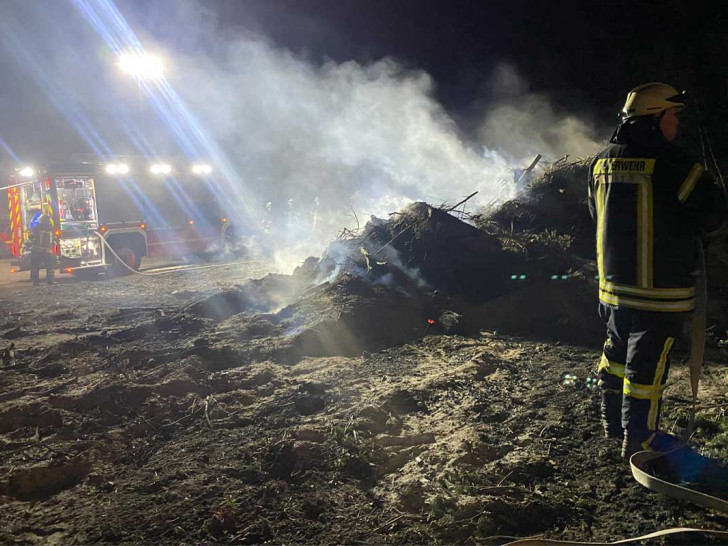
pixel 450 209
pixel 207 407
pixel 390 522
pixel 494 488
pixel 355 217
pixel 505 478
pixel 393 239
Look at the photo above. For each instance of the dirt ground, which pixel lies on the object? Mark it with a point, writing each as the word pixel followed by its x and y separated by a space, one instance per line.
pixel 128 414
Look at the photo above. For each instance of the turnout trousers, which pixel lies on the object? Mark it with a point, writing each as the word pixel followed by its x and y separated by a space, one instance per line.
pixel 633 370
pixel 38 261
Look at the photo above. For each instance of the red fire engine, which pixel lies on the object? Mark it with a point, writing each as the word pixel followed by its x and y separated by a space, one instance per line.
pixel 139 210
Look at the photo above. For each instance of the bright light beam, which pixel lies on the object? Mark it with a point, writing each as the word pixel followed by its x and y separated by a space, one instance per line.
pixel 189 134
pixel 142 66
pixel 9 150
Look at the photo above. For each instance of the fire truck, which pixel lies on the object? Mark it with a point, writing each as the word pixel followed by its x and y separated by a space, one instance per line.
pixel 137 211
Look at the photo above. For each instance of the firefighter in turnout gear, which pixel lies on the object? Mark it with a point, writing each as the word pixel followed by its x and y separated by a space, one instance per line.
pixel 42 242
pixel 650 202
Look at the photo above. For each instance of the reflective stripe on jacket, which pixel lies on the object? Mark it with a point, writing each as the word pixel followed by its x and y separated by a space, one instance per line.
pixel 650 203
pixel 41 240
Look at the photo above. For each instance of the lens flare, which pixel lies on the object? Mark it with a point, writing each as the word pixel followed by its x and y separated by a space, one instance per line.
pixel 142 66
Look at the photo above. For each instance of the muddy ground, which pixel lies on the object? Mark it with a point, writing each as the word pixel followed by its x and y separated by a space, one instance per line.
pixel 130 413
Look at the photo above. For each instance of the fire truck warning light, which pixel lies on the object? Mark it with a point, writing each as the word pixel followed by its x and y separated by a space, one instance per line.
pixel 201 168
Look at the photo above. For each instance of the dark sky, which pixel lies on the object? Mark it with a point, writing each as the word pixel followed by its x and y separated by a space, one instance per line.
pixel 583 55
pixel 591 52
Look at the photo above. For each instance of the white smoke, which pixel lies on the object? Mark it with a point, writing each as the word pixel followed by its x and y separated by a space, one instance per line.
pixel 326 144
pixel 369 136
pixel 519 124
pixel 364 139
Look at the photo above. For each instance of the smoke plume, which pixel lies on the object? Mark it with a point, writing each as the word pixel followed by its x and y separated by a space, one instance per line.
pixel 317 145
pixel 520 124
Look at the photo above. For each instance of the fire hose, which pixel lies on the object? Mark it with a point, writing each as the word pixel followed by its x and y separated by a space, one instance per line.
pixel 176 270
pixel 536 541
pixel 640 461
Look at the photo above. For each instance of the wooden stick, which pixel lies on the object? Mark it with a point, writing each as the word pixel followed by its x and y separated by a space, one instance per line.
pixel 461 202
pixel 529 168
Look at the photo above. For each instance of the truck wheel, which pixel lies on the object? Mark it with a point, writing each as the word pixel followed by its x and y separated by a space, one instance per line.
pixel 232 246
pixel 130 257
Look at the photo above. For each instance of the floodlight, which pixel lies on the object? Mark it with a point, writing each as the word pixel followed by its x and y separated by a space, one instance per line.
pixel 27 172
pixel 122 168
pixel 141 65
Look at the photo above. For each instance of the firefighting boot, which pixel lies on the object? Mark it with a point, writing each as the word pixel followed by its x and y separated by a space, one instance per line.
pixel 635 440
pixel 611 412
pixel 650 440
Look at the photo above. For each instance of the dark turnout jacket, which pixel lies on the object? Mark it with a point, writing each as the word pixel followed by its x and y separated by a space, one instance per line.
pixel 650 202
pixel 42 238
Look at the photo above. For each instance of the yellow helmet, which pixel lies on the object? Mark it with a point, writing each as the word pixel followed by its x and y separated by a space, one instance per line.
pixel 652 98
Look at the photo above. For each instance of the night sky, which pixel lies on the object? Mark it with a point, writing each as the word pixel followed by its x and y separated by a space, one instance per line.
pixel 588 52
pixel 584 56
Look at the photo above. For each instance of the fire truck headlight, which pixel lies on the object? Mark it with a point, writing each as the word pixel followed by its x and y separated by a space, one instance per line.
pixel 27 172
pixel 201 168
pixel 161 168
pixel 117 168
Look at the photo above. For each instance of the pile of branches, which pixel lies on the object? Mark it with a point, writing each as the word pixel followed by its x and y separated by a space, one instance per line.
pixel 420 248
pixel 548 222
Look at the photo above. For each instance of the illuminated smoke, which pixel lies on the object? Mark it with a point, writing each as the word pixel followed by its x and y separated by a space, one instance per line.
pixel 326 144
pixel 520 124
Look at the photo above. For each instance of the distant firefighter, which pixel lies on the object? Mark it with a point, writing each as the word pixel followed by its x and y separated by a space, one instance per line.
pixel 651 202
pixel 42 241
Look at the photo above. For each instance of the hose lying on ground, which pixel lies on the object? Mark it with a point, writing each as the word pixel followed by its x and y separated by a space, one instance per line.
pixel 177 269
pixel 534 541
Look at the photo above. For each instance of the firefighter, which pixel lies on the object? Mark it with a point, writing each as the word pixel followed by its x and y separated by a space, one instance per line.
pixel 650 202
pixel 42 242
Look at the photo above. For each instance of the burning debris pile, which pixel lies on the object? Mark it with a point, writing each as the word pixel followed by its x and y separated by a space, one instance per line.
pixel 525 267
pixel 422 247
pixel 549 223
pixel 521 269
